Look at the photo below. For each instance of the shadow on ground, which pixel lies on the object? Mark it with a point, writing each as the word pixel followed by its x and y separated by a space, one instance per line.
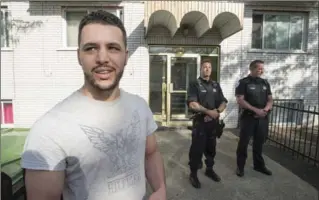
pixel 301 168
pixel 283 185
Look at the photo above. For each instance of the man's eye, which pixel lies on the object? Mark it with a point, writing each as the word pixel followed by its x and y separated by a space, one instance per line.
pixel 114 48
pixel 90 49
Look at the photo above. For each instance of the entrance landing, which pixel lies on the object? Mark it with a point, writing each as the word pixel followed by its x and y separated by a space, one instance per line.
pixel 283 185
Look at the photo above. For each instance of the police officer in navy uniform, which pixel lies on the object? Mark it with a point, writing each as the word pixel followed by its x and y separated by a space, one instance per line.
pixel 254 97
pixel 206 100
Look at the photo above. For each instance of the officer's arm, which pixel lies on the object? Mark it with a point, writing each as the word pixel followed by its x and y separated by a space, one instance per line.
pixel 224 101
pixel 240 97
pixel 270 100
pixel 192 99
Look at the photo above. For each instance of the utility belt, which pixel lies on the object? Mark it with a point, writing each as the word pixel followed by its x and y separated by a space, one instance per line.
pixel 214 125
pixel 246 112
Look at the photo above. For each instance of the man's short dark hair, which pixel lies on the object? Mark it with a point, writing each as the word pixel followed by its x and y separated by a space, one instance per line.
pixel 255 63
pixel 102 17
pixel 206 60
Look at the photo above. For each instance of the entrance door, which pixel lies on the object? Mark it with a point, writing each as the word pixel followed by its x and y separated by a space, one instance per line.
pixel 182 71
pixel 158 82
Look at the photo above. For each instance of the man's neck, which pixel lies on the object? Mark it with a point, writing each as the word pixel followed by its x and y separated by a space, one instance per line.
pixel 205 78
pixel 100 95
pixel 253 76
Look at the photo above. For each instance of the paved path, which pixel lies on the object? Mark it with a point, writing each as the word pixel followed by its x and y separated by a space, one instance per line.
pixel 283 185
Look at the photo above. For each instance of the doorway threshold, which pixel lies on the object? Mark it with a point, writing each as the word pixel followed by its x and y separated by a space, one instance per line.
pixel 174 125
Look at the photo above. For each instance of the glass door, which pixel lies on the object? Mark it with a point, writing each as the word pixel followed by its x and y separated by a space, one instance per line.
pixel 182 70
pixel 158 89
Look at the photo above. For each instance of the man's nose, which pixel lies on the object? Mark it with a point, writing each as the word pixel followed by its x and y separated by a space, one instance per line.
pixel 103 56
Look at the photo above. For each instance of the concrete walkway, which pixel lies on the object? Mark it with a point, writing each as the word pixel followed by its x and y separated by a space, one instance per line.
pixel 283 185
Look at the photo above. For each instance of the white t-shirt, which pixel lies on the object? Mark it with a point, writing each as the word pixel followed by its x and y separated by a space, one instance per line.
pixel 100 146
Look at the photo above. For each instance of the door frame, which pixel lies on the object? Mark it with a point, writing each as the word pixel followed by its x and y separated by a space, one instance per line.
pixel 170 85
pixel 166 116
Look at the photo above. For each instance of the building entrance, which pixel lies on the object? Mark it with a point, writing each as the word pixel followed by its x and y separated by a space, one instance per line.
pixel 171 71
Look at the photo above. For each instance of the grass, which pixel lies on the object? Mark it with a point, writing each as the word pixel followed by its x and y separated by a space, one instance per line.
pixel 11 148
pixel 8 130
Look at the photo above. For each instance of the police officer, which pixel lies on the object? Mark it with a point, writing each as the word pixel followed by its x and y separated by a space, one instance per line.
pixel 254 97
pixel 206 100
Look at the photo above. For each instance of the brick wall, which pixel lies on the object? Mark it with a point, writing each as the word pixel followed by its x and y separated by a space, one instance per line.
pixel 236 56
pixel 291 75
pixel 7 81
pixel 46 73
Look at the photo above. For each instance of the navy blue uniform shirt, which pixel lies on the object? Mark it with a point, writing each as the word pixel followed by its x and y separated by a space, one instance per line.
pixel 255 90
pixel 207 93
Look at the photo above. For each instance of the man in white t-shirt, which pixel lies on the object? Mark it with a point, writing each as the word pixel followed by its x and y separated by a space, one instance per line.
pixel 98 143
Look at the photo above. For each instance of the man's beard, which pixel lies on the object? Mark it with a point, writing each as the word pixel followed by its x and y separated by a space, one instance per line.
pixel 89 78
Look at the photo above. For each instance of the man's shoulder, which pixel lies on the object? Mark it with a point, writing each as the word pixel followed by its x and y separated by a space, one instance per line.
pixel 52 117
pixel 47 121
pixel 215 83
pixel 265 81
pixel 134 99
pixel 245 79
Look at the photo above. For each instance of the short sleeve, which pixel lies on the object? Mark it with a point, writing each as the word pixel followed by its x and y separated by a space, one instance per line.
pixel 41 150
pixel 240 88
pixel 192 92
pixel 222 97
pixel 151 125
pixel 268 89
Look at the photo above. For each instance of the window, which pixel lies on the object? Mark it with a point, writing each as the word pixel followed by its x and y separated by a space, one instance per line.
pixel 73 18
pixel 4 27
pixel 278 31
pixel 6 110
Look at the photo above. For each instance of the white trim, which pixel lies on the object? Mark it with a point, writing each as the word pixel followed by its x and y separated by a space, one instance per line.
pixel 7 125
pixel 64 36
pixel 6 49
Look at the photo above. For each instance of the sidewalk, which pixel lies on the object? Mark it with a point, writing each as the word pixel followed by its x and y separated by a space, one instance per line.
pixel 283 185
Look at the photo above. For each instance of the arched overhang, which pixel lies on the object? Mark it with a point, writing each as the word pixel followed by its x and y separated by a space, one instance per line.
pixel 162 18
pixel 196 20
pixel 227 23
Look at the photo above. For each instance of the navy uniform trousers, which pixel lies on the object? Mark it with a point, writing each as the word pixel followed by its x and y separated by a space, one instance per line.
pixel 258 129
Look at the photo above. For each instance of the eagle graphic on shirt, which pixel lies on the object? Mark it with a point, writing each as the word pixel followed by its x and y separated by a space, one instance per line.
pixel 120 147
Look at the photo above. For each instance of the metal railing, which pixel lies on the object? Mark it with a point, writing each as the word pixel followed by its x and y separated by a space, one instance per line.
pixel 294 127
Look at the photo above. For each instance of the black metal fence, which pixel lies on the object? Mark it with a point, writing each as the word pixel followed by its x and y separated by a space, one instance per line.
pixel 294 127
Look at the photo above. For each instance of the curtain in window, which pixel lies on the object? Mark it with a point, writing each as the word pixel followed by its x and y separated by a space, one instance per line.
pixel 8 113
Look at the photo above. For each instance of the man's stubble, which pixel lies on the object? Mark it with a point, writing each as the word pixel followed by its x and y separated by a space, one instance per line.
pixel 90 80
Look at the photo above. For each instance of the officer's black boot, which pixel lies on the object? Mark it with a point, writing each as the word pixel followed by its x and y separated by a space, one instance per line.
pixel 211 174
pixel 263 170
pixel 194 179
pixel 240 172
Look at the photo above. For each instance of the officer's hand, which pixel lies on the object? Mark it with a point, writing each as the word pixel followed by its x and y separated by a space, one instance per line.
pixel 260 113
pixel 213 114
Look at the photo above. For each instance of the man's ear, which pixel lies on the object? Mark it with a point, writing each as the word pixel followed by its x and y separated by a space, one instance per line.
pixel 126 57
pixel 78 54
